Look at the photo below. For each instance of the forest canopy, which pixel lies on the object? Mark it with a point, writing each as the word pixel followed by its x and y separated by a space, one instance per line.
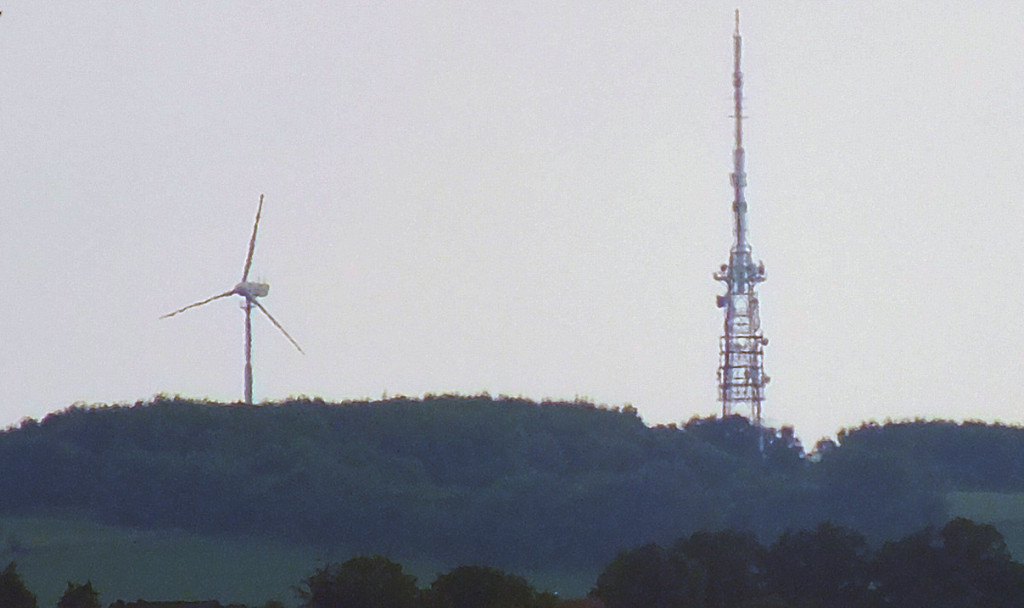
pixel 475 479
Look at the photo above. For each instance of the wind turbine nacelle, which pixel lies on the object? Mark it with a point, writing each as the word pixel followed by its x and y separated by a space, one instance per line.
pixel 252 290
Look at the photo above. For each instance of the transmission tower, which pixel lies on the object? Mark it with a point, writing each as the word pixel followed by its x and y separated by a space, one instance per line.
pixel 741 377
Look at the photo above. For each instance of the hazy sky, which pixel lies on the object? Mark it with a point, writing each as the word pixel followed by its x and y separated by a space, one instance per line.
pixel 525 198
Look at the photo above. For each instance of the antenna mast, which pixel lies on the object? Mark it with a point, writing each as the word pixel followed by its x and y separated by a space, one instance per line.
pixel 741 377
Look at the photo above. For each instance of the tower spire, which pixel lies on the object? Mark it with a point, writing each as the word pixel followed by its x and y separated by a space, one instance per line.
pixel 739 175
pixel 741 377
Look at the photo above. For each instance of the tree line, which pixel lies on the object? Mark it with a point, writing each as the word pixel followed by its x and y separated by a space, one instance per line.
pixel 361 582
pixel 478 479
pixel 14 593
pixel 960 565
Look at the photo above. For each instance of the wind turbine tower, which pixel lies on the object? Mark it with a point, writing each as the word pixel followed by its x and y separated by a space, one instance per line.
pixel 250 291
pixel 741 377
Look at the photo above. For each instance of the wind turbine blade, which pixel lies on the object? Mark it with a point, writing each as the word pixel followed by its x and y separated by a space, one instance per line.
pixel 252 241
pixel 206 301
pixel 278 325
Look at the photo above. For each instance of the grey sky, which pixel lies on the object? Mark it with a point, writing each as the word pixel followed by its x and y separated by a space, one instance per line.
pixel 520 197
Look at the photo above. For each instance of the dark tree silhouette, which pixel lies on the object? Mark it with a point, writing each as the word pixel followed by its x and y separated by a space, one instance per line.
pixel 651 577
pixel 13 592
pixel 361 582
pixel 484 587
pixel 962 565
pixel 734 562
pixel 79 596
pixel 825 567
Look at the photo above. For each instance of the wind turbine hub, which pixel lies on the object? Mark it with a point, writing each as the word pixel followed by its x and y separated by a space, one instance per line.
pixel 252 290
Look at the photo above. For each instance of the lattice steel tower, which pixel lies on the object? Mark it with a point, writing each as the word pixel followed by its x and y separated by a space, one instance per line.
pixel 741 377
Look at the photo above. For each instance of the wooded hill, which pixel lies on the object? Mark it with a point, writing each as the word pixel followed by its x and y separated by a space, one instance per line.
pixel 477 480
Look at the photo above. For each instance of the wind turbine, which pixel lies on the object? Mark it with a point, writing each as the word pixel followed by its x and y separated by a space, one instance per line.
pixel 250 291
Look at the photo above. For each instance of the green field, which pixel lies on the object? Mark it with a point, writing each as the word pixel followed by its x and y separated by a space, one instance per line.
pixel 130 564
pixel 1004 511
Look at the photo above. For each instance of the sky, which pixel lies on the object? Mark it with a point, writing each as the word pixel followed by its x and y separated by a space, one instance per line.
pixel 523 198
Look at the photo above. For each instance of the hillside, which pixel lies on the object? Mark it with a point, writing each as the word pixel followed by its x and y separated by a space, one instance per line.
pixel 504 482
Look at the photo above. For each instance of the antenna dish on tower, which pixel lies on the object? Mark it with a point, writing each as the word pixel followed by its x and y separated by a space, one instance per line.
pixel 741 377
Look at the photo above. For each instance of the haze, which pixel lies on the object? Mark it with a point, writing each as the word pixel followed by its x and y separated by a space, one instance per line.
pixel 525 198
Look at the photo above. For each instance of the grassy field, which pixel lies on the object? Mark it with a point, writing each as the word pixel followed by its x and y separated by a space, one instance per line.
pixel 1004 511
pixel 130 564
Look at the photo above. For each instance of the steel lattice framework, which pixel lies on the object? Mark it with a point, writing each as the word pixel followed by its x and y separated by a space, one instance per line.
pixel 741 377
